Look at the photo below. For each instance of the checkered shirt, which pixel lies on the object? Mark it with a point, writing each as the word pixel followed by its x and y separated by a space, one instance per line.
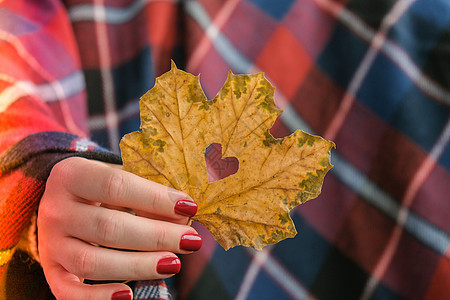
pixel 373 76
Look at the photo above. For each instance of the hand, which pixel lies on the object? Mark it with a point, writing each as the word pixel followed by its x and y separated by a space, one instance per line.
pixel 88 203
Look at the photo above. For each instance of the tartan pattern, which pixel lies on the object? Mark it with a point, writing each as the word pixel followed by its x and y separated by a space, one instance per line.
pixel 151 289
pixel 373 76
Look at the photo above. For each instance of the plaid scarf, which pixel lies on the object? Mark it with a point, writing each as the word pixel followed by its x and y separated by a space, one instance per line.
pixel 373 76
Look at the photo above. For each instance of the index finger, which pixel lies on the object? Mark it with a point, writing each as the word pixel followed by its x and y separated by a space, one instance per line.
pixel 95 181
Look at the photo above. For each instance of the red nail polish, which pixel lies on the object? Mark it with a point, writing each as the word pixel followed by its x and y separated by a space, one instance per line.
pixel 168 265
pixel 191 242
pixel 122 295
pixel 186 208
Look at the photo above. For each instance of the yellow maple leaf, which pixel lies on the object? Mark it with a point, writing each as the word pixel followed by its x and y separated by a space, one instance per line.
pixel 250 207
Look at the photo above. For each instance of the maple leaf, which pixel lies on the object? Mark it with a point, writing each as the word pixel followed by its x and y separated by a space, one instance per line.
pixel 250 207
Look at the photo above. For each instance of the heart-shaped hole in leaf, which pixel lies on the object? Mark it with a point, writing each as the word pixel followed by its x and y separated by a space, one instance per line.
pixel 218 168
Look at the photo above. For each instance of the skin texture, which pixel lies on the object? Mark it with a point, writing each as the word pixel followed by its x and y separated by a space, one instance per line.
pixel 88 203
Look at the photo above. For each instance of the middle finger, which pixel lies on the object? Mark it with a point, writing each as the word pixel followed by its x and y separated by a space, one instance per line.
pixel 118 229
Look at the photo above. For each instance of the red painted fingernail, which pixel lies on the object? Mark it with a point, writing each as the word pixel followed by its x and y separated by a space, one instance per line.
pixel 186 208
pixel 191 242
pixel 168 265
pixel 122 295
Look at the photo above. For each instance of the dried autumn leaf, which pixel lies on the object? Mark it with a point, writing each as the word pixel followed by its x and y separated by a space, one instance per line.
pixel 250 207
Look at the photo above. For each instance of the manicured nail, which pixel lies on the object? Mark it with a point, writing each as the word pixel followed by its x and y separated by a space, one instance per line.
pixel 122 295
pixel 168 265
pixel 191 242
pixel 186 208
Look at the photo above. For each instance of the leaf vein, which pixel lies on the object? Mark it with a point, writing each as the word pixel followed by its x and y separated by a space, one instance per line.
pixel 149 162
pixel 238 118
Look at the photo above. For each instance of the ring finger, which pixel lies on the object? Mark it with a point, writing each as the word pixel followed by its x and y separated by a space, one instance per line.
pixel 97 263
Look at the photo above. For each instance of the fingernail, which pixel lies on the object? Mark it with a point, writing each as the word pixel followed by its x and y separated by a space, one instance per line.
pixel 186 208
pixel 122 295
pixel 191 242
pixel 168 265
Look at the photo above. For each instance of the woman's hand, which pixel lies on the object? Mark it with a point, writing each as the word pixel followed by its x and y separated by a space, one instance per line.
pixel 88 203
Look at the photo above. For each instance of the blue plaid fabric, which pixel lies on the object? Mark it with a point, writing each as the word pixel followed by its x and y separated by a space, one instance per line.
pixel 373 76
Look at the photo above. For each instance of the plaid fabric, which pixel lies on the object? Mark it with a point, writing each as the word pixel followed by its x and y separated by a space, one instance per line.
pixel 43 118
pixel 155 289
pixel 373 76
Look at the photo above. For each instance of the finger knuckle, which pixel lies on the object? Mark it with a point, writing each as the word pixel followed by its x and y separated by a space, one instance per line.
pixel 63 169
pixel 161 238
pixel 115 186
pixel 155 201
pixel 108 229
pixel 85 263
pixel 138 270
pixel 48 215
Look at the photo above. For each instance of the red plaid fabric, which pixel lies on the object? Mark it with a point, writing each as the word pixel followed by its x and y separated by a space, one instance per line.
pixel 373 76
pixel 44 61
